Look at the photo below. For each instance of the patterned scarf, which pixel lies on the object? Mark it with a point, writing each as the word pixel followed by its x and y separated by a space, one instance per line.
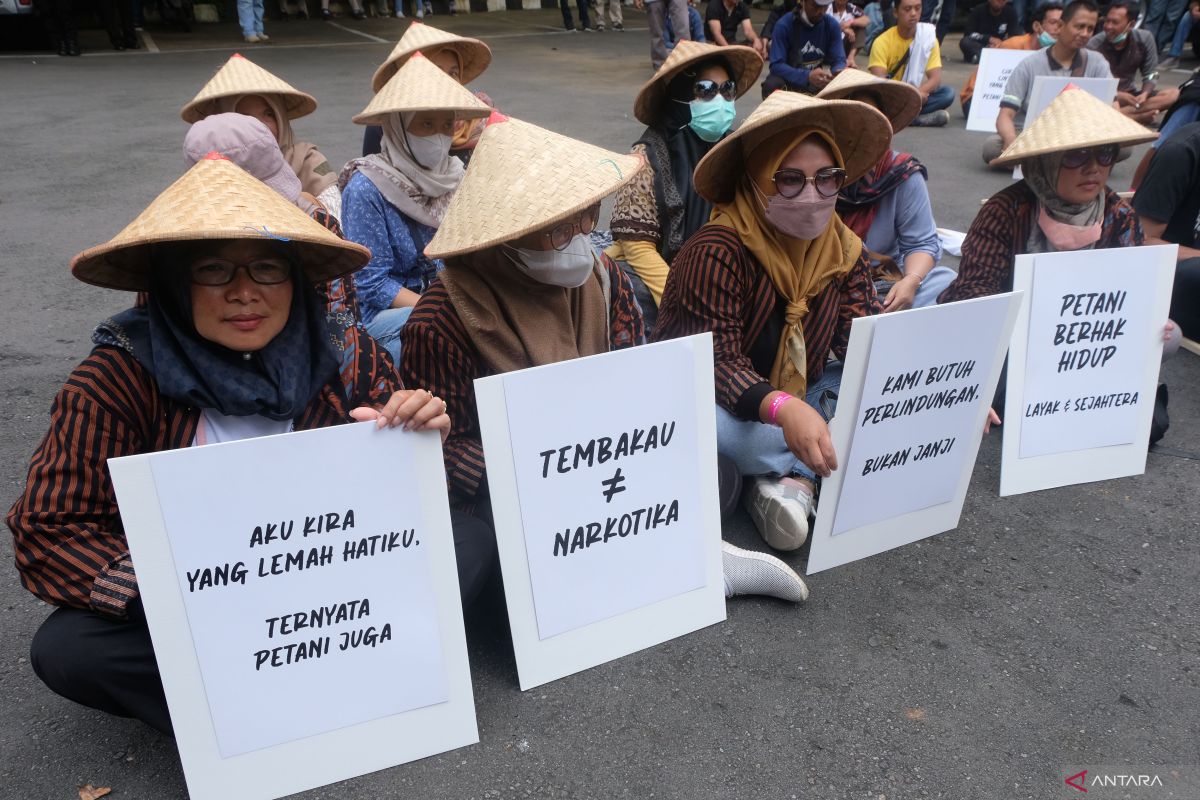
pixel 858 202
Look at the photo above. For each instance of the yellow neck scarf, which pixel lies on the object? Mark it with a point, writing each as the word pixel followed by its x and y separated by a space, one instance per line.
pixel 799 269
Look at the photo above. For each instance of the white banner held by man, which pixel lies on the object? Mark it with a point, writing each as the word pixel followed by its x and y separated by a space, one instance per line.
pixel 1083 368
pixel 915 393
pixel 602 473
pixel 995 65
pixel 306 619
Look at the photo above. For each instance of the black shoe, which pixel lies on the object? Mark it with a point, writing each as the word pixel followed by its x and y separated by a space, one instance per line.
pixel 326 14
pixel 73 47
pixel 132 44
pixel 119 47
pixel 358 15
pixel 63 48
pixel 618 27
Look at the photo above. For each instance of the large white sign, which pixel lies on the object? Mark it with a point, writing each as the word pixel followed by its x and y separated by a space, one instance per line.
pixel 603 481
pixel 995 65
pixel 1084 365
pixel 915 392
pixel 306 619
pixel 1048 87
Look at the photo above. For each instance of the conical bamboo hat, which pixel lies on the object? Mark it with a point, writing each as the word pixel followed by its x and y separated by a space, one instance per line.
pixel 216 199
pixel 1073 120
pixel 420 86
pixel 240 76
pixel 475 54
pixel 524 178
pixel 861 132
pixel 900 102
pixel 745 63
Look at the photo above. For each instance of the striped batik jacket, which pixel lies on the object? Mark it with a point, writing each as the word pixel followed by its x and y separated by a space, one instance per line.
pixel 1000 233
pixel 438 355
pixel 69 543
pixel 717 285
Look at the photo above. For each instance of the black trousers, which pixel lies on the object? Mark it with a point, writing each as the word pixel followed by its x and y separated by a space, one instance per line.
pixel 1185 302
pixel 971 48
pixel 109 664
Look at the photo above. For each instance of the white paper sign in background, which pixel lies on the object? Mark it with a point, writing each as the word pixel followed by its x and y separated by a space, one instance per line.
pixel 915 392
pixel 995 65
pixel 306 619
pixel 603 481
pixel 1047 87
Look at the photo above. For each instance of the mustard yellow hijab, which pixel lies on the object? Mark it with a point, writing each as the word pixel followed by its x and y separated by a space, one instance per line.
pixel 799 269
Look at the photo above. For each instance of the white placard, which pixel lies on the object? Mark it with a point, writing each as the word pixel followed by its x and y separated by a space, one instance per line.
pixel 915 393
pixel 306 620
pixel 1048 87
pixel 606 511
pixel 995 65
pixel 1083 365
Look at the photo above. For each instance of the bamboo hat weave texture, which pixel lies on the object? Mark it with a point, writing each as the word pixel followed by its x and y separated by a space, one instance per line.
pixel 745 63
pixel 241 76
pixel 216 199
pixel 862 134
pixel 420 86
pixel 900 102
pixel 475 54
pixel 1073 120
pixel 524 178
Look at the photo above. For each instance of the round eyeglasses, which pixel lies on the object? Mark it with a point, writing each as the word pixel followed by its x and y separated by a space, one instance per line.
pixel 561 234
pixel 827 181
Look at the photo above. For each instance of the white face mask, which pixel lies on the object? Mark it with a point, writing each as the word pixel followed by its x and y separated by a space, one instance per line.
pixel 567 268
pixel 429 151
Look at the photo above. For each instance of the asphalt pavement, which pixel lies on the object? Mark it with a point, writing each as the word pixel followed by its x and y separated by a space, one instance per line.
pixel 1050 629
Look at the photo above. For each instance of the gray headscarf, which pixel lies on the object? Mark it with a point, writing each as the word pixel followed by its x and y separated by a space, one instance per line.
pixel 1041 175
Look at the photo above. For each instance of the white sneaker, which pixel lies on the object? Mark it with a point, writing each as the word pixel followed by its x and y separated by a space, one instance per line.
pixel 252 39
pixel 780 511
pixel 399 14
pixel 262 37
pixel 748 572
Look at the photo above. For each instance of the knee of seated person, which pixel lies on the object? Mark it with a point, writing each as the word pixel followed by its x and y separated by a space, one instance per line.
pixel 57 652
pixel 772 84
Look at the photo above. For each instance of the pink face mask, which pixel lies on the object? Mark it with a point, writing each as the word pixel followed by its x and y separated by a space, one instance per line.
pixel 805 216
pixel 1067 237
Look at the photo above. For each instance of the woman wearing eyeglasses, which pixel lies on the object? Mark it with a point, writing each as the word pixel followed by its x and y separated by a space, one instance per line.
pixel 1063 202
pixel 231 344
pixel 778 278
pixel 688 107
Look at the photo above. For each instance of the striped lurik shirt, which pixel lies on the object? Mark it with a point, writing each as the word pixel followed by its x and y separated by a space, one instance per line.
pixel 69 543
pixel 1000 233
pixel 438 355
pixel 717 285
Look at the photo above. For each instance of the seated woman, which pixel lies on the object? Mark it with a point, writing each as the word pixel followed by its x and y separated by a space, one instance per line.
pixel 889 207
pixel 393 202
pixel 231 344
pixel 688 107
pixel 462 58
pixel 524 288
pixel 1062 203
pixel 246 88
pixel 778 278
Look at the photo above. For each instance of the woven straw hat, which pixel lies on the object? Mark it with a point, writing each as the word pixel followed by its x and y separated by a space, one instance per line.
pixel 900 102
pixel 420 86
pixel 746 65
pixel 215 199
pixel 862 135
pixel 1074 119
pixel 475 54
pixel 241 76
pixel 524 178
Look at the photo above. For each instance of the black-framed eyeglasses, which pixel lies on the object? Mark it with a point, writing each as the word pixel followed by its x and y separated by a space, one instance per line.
pixel 1105 155
pixel 561 234
pixel 828 181
pixel 218 272
pixel 706 89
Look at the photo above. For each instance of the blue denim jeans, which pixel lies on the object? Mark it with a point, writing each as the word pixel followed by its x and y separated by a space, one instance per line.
pixel 1185 114
pixel 250 16
pixel 940 98
pixel 758 448
pixel 1182 33
pixel 385 329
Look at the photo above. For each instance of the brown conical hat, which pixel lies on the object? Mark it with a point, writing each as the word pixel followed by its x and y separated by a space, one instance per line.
pixel 475 54
pixel 216 199
pixel 241 76
pixel 900 102
pixel 524 178
pixel 1073 120
pixel 861 132
pixel 420 86
pixel 745 63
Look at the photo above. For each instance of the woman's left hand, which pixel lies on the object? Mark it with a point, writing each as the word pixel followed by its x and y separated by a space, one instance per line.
pixel 1169 331
pixel 992 419
pixel 902 294
pixel 414 409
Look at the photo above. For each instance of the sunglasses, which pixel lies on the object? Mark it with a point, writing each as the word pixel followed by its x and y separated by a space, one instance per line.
pixel 707 89
pixel 561 235
pixel 216 272
pixel 1105 155
pixel 791 182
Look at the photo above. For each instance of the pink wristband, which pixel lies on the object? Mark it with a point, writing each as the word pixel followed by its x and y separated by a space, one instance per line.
pixel 776 404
